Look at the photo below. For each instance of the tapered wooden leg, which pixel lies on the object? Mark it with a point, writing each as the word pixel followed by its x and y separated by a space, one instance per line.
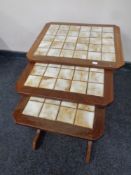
pixel 88 152
pixel 36 139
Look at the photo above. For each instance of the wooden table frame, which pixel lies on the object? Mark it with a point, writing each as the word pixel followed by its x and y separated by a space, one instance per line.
pixel 62 128
pixel 75 61
pixel 69 96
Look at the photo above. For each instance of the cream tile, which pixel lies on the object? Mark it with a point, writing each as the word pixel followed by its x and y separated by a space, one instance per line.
pixel 48 38
pixel 52 72
pixel 54 52
pixel 54 27
pixel 84 34
pixel 95 40
pixel 49 111
pixel 85 29
pixel 45 44
pixel 38 70
pixel 78 87
pixel 71 39
pixel 80 75
pixel 51 101
pixel 96 77
pixel 66 115
pixel 63 85
pixel 95 48
pixel 82 68
pixel 40 64
pixel 94 55
pixel 84 119
pixel 38 99
pixel 108 57
pixel 97 70
pixel 42 51
pixel 54 65
pixel 108 29
pixel 109 49
pixel 57 44
pixel 97 29
pixel 95 35
pixel 66 74
pixel 60 38
pixel 74 27
pixel 64 27
pixel 108 35
pixel 73 33
pixel 33 81
pixel 68 67
pixel 47 83
pixel 95 89
pixel 83 40
pixel 86 107
pixel 67 53
pixel 80 46
pixel 69 46
pixel 32 108
pixel 69 104
pixel 51 32
pixel 62 32
pixel 80 54
pixel 107 41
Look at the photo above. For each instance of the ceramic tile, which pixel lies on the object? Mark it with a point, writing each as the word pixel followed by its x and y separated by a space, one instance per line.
pixel 67 53
pixel 52 72
pixel 110 49
pixel 41 51
pixel 49 111
pixel 45 44
pixel 33 81
pixel 48 38
pixel 71 39
pixel 75 28
pixel 83 40
pixel 95 89
pixel 107 41
pixel 32 108
pixel 84 34
pixel 69 104
pixel 95 35
pixel 108 29
pixel 84 119
pixel 60 38
pixel 94 55
pixel 66 115
pixel 69 46
pixel 52 101
pixel 80 46
pixel 54 65
pixel 73 33
pixel 40 64
pixel 78 87
pixel 80 75
pixel 97 29
pixel 68 67
pixel 54 27
pixel 82 68
pixel 80 54
pixel 95 48
pixel 108 35
pixel 54 52
pixel 85 29
pixel 97 70
pixel 64 27
pixel 108 57
pixel 38 99
pixel 63 85
pixel 57 44
pixel 95 40
pixel 86 107
pixel 62 32
pixel 96 77
pixel 66 74
pixel 47 83
pixel 38 70
pixel 51 32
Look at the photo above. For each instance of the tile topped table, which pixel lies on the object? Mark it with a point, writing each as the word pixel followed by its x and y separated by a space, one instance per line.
pixel 79 44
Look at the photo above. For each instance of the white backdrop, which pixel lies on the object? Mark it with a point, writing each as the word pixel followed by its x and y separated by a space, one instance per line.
pixel 22 20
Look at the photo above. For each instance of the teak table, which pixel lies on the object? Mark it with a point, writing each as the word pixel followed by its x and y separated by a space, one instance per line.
pixel 69 80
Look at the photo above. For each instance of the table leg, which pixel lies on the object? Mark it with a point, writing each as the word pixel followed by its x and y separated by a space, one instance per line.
pixel 36 139
pixel 88 152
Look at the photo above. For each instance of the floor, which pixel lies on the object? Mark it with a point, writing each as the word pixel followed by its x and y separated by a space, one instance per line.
pixel 59 154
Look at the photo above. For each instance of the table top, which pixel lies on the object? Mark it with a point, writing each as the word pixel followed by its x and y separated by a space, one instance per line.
pixel 75 83
pixel 85 121
pixel 79 44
